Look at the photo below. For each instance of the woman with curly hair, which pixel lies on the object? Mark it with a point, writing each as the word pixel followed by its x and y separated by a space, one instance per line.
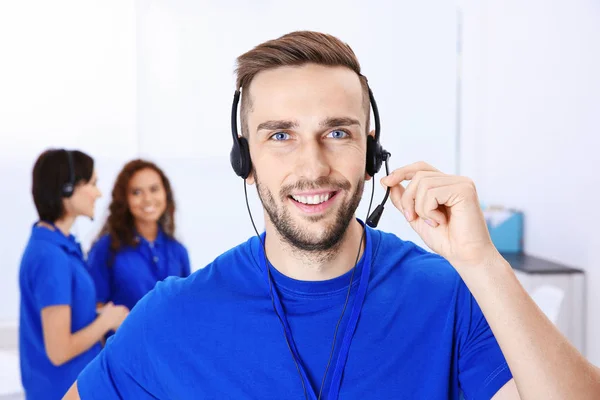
pixel 136 248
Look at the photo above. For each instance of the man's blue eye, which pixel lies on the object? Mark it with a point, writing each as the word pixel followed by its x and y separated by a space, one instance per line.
pixel 337 134
pixel 280 136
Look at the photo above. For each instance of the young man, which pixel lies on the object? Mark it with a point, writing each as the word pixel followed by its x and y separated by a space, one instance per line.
pixel 401 323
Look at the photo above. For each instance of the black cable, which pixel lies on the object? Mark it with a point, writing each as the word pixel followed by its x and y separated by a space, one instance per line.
pixel 345 303
pixel 271 290
pixel 348 294
pixel 387 173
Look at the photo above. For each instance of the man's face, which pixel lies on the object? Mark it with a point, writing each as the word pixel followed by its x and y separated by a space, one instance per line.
pixel 307 142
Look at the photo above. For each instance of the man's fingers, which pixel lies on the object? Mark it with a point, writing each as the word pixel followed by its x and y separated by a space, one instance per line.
pixel 428 200
pixel 410 194
pixel 427 190
pixel 396 193
pixel 406 173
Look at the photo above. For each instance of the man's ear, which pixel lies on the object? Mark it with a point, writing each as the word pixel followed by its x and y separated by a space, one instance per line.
pixel 250 179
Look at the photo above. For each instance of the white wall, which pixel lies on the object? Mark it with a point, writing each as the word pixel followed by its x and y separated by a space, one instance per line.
pixel 125 78
pixel 67 79
pixel 531 124
pixel 187 51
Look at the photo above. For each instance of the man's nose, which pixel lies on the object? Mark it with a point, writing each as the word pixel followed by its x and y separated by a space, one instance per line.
pixel 312 162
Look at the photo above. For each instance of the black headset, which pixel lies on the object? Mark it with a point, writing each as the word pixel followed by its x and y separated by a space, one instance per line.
pixel 68 187
pixel 375 157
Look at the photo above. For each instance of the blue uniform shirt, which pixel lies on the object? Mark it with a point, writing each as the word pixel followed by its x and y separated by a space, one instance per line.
pixel 52 272
pixel 420 334
pixel 135 270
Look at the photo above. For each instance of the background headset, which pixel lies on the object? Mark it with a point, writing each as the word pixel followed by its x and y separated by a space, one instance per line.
pixel 375 157
pixel 68 187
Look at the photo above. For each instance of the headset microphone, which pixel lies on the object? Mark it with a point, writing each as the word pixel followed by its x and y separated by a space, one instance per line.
pixel 373 219
pixel 376 155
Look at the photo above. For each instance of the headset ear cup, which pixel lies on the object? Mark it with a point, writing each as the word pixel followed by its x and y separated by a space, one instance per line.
pixel 234 159
pixel 240 158
pixel 67 190
pixel 374 161
pixel 245 160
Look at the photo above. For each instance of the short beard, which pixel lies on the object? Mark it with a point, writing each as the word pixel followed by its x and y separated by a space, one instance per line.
pixel 293 235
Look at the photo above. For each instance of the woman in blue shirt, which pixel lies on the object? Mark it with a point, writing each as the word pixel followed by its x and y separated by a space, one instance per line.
pixel 137 247
pixel 60 330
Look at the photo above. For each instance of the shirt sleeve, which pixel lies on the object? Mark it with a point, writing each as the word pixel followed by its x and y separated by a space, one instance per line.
pixel 99 270
pixel 482 367
pixel 125 368
pixel 51 283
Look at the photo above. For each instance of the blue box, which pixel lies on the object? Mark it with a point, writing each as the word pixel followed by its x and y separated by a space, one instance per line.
pixel 506 228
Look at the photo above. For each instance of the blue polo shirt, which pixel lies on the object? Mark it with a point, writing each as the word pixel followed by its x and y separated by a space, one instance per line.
pixel 417 333
pixel 125 277
pixel 52 272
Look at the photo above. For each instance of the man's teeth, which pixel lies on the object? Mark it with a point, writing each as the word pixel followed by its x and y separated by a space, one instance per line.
pixel 316 199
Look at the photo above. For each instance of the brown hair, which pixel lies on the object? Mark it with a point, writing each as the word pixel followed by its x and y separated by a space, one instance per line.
pixel 295 49
pixel 120 223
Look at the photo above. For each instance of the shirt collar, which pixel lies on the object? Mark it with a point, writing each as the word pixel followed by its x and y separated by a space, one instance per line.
pixel 68 243
pixel 160 238
pixel 325 287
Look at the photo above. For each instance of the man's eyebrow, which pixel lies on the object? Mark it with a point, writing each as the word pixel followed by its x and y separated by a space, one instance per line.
pixel 277 124
pixel 332 122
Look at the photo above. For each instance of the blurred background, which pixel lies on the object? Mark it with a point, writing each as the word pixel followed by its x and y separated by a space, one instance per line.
pixel 505 92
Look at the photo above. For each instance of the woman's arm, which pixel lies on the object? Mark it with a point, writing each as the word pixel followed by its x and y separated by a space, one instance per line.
pixel 62 345
pixel 72 394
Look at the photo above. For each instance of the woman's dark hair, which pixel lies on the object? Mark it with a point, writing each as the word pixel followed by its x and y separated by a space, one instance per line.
pixel 120 222
pixel 51 172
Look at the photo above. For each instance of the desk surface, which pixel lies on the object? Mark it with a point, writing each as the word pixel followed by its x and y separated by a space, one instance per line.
pixel 535 265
